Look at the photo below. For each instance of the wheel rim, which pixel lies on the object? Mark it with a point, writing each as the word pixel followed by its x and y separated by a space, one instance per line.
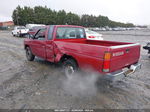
pixel 69 71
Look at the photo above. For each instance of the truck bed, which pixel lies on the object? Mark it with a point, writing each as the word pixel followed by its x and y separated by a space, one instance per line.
pixel 96 42
pixel 91 52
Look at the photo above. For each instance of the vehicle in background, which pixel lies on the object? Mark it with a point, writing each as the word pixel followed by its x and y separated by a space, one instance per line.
pixel 102 29
pixel 68 46
pixel 91 35
pixel 147 47
pixel 30 26
pixel 108 28
pixel 19 31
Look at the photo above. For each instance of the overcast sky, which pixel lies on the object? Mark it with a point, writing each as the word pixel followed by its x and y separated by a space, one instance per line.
pixel 134 11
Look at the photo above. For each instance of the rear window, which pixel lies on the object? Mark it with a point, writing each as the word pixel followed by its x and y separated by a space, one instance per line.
pixel 70 33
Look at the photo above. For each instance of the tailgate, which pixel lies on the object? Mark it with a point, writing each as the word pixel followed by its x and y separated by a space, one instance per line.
pixel 124 56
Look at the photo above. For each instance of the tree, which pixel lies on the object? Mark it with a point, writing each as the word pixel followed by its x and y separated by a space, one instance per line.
pixel 44 15
pixel 16 15
pixel 61 17
pixel 102 21
pixel 72 19
pixel 85 20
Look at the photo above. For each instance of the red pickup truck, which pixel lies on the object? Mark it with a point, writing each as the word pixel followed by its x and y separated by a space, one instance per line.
pixel 67 44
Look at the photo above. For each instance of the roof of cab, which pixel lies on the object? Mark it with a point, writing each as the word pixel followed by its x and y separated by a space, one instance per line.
pixel 68 26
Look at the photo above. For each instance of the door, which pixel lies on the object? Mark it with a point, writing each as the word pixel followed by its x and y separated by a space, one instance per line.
pixel 50 44
pixel 39 44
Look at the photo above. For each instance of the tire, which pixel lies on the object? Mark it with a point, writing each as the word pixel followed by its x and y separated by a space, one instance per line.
pixel 29 55
pixel 13 34
pixel 20 35
pixel 69 67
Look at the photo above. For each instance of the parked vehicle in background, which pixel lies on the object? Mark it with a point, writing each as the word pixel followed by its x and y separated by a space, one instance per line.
pixel 67 45
pixel 31 26
pixel 92 35
pixel 19 31
pixel 147 47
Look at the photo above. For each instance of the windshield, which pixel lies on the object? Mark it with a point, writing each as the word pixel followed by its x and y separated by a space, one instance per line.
pixel 22 27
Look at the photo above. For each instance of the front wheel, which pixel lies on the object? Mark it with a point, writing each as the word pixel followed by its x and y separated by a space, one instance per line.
pixel 29 55
pixel 69 67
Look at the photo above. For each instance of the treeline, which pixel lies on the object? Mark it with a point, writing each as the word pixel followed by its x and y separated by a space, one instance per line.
pixel 43 15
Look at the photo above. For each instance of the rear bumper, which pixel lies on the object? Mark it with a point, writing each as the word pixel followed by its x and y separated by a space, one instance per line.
pixel 118 75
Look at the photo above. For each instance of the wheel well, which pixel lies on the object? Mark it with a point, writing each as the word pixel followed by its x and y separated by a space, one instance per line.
pixel 65 57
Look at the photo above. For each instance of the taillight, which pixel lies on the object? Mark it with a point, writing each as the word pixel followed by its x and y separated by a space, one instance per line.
pixel 106 64
pixel 91 36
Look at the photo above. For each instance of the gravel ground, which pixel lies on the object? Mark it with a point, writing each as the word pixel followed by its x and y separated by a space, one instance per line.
pixel 40 85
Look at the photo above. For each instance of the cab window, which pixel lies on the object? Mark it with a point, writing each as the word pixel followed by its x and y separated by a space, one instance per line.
pixel 70 33
pixel 40 34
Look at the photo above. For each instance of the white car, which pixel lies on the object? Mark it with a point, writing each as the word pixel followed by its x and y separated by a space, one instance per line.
pixel 91 35
pixel 30 26
pixel 19 31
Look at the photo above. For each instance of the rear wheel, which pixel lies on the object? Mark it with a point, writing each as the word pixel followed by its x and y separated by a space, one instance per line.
pixel 29 55
pixel 18 34
pixel 69 67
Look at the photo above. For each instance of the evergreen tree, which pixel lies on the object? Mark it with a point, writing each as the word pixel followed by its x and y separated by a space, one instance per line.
pixel 44 15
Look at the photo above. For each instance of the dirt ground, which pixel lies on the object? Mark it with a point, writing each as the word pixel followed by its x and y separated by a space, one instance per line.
pixel 40 84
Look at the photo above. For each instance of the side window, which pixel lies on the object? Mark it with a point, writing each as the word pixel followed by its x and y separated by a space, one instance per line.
pixel 60 33
pixel 80 33
pixel 40 34
pixel 70 33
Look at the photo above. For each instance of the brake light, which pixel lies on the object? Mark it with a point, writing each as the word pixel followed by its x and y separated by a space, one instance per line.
pixel 107 56
pixel 106 64
pixel 91 36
